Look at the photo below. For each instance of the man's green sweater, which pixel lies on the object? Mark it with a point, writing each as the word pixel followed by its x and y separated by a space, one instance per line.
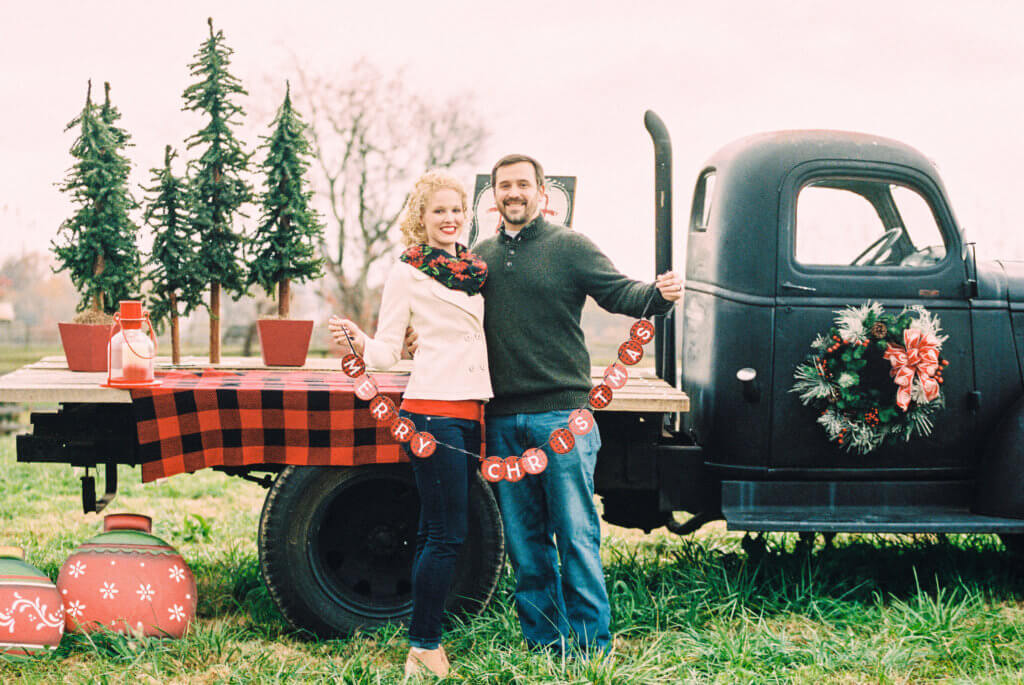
pixel 536 285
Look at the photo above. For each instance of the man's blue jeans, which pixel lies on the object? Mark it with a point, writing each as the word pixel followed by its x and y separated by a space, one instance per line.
pixel 551 517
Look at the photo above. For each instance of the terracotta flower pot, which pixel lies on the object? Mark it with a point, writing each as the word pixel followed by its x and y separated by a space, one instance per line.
pixel 85 345
pixel 284 342
pixel 129 581
pixel 31 613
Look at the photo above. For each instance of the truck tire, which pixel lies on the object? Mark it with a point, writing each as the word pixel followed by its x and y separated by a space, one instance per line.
pixel 336 546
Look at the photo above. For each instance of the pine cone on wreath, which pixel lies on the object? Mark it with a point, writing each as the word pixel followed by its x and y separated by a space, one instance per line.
pixel 879 330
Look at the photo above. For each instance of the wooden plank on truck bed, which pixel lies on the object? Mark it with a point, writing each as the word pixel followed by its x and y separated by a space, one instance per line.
pixel 49 380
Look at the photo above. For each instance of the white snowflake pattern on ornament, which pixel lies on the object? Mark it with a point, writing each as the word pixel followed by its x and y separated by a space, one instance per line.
pixel 109 590
pixel 145 592
pixel 177 574
pixel 76 569
pixel 177 613
pixel 75 608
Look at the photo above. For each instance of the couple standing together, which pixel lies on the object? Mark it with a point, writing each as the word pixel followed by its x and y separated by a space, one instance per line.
pixel 498 335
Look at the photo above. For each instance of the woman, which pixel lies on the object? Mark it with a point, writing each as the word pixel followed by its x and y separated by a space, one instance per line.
pixel 435 287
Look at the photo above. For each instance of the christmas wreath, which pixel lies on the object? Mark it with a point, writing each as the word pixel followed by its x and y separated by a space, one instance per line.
pixel 875 378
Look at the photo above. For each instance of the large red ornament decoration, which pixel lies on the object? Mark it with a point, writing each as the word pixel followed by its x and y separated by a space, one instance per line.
pixel 129 581
pixel 31 611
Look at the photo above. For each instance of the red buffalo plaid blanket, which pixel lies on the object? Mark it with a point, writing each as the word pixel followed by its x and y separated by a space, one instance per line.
pixel 197 419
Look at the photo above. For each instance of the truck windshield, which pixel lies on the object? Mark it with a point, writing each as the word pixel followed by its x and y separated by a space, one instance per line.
pixel 862 222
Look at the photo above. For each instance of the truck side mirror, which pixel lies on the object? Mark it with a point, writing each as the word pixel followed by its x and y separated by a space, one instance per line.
pixel 751 390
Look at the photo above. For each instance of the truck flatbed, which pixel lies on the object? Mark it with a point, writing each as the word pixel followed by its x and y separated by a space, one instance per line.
pixel 50 381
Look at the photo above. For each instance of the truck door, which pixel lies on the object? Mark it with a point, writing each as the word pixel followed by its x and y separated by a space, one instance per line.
pixel 853 233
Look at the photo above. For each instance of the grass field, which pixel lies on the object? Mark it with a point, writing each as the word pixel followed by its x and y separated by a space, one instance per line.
pixel 899 610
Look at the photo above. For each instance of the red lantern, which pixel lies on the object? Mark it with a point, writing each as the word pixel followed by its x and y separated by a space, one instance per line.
pixel 129 581
pixel 31 612
pixel 131 354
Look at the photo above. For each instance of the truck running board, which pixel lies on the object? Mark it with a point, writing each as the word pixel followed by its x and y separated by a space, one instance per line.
pixel 858 507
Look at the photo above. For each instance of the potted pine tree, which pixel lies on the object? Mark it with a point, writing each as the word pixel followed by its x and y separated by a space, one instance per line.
pixel 284 245
pixel 173 270
pixel 96 245
pixel 217 186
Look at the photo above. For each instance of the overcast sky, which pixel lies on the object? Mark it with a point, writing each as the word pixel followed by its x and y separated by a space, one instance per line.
pixel 565 81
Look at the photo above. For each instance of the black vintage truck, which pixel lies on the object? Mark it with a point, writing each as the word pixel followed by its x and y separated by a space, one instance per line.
pixel 786 231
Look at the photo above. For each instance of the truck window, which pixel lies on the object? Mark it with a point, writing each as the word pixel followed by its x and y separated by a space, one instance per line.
pixel 700 214
pixel 859 222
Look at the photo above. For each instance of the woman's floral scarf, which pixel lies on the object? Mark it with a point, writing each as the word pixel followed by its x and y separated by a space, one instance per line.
pixel 465 271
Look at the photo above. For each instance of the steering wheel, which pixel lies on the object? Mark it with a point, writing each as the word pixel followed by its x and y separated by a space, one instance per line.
pixel 879 247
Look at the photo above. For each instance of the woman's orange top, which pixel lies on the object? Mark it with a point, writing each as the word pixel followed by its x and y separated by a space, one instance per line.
pixel 471 410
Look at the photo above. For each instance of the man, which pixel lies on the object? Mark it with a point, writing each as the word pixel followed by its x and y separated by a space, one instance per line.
pixel 539 275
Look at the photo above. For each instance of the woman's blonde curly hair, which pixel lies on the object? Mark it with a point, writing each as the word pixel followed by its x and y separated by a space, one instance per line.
pixel 413 231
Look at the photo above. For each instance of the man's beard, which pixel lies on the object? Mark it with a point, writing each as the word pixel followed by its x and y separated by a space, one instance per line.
pixel 527 212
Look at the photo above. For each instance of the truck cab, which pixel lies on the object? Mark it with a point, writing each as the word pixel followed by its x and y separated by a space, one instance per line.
pixel 786 230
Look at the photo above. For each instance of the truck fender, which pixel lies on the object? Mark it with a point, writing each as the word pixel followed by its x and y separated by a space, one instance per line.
pixel 1000 483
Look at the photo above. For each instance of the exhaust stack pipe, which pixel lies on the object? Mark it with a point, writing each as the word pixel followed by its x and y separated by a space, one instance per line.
pixel 664 330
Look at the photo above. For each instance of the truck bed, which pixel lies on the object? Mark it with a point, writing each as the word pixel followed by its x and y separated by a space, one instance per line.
pixel 50 381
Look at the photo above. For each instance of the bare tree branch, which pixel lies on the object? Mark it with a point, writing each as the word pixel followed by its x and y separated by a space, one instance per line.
pixel 372 136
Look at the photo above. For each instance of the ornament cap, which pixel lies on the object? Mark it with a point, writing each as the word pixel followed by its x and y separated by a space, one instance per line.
pixel 139 522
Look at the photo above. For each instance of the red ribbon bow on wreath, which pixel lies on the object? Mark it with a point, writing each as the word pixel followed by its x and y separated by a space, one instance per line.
pixel 918 357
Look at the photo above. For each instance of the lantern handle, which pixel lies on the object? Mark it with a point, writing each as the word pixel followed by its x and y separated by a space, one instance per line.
pixel 129 344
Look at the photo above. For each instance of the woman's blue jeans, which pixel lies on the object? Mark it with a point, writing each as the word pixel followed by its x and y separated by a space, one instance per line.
pixel 443 481
pixel 553 534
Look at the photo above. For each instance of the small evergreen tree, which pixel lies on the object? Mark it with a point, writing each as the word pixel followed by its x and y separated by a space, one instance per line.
pixel 284 247
pixel 97 243
pixel 217 188
pixel 173 271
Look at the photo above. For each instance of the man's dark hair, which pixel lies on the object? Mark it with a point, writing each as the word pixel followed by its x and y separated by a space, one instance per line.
pixel 515 159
